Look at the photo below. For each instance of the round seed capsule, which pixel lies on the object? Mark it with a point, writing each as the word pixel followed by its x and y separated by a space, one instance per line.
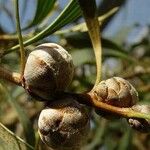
pixel 49 69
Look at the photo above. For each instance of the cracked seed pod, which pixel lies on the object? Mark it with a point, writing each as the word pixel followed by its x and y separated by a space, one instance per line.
pixel 64 125
pixel 49 68
pixel 115 91
pixel 142 125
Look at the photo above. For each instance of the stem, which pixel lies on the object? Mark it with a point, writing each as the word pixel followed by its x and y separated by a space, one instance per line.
pixel 22 51
pixel 10 76
pixel 91 19
pixel 7 37
pixel 123 112
pixel 90 100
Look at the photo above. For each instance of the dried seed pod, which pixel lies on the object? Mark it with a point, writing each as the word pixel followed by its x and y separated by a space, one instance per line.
pixel 142 125
pixel 115 91
pixel 64 125
pixel 49 68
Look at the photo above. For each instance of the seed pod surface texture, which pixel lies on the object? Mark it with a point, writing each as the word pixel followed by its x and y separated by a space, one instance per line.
pixel 142 125
pixel 64 125
pixel 49 68
pixel 116 91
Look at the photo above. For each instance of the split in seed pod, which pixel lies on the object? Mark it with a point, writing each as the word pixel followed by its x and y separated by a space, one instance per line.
pixel 49 69
pixel 115 91
pixel 64 125
pixel 142 125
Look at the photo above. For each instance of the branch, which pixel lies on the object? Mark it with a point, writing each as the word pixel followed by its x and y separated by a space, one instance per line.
pixel 10 76
pixel 90 100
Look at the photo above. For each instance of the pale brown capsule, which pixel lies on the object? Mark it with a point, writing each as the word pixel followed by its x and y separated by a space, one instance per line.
pixel 115 91
pixel 142 125
pixel 64 125
pixel 49 68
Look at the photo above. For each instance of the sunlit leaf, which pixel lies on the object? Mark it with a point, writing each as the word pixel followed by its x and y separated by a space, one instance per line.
pixel 82 26
pixel 9 141
pixel 91 19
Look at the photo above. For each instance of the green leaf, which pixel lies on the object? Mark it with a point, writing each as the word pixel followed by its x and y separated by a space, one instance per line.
pixel 107 43
pixel 118 54
pixel 82 26
pixel 43 9
pixel 27 126
pixel 70 13
pixel 82 56
pixel 126 140
pixel 89 13
pixel 9 141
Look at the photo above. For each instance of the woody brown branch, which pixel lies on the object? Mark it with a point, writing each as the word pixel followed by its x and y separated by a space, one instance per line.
pixel 10 76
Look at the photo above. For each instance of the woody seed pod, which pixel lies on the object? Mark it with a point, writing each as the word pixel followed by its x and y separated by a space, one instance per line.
pixel 115 91
pixel 142 125
pixel 49 68
pixel 64 125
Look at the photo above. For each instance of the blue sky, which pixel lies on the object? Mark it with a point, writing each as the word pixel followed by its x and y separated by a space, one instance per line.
pixel 135 11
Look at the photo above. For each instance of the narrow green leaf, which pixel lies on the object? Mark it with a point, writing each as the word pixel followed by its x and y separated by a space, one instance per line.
pixel 9 141
pixel 27 126
pixel 42 10
pixel 70 13
pixel 85 55
pixel 119 54
pixel 81 40
pixel 89 13
pixel 82 26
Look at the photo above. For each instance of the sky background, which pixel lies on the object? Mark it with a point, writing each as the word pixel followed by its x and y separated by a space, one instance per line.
pixel 135 11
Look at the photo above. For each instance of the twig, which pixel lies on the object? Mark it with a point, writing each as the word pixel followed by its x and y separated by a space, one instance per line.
pixel 22 51
pixel 14 37
pixel 90 100
pixel 8 37
pixel 124 112
pixel 10 76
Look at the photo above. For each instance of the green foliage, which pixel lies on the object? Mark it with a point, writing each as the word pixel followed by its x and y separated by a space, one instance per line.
pixel 26 123
pixel 42 10
pixel 74 12
pixel 10 141
pixel 120 58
